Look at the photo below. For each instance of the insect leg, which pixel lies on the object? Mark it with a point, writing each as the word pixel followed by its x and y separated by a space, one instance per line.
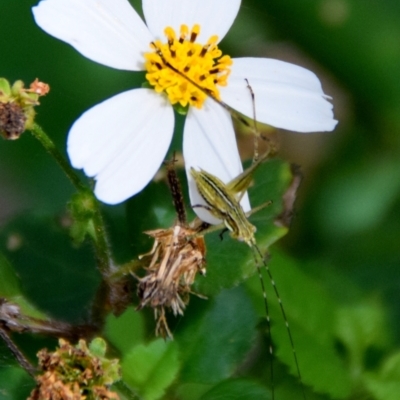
pixel 257 250
pixel 267 317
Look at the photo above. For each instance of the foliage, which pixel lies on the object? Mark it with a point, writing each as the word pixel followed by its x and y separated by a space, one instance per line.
pixel 337 269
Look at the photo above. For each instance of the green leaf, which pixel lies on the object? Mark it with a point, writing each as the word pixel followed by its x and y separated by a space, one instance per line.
pixel 125 331
pixel 5 88
pixel 360 327
pixel 215 339
pixel 385 385
pixel 9 283
pixel 238 389
pixel 15 383
pixel 354 206
pixel 191 391
pixel 10 289
pixel 55 276
pixel 151 369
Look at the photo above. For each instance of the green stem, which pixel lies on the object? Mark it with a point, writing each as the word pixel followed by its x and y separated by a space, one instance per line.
pixel 50 147
pixel 102 250
pixel 103 253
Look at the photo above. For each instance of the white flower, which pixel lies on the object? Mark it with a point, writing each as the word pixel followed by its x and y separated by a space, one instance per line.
pixel 122 141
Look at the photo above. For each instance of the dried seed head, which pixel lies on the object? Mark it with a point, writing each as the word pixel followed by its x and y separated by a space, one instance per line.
pixel 12 120
pixel 175 259
pixel 17 106
pixel 75 373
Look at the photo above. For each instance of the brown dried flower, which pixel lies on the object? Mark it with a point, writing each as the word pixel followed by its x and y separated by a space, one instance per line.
pixel 76 373
pixel 176 257
pixel 12 120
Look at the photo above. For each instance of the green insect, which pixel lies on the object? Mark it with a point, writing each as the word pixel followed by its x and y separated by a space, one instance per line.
pixel 223 202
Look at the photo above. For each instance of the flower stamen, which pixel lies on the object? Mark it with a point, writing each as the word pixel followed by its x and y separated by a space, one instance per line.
pixel 187 71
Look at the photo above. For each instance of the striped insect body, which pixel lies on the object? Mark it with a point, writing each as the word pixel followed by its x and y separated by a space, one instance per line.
pixel 223 205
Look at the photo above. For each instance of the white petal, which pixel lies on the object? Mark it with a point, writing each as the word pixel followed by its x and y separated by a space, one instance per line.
pixel 209 143
pixel 122 142
pixel 109 32
pixel 214 17
pixel 286 96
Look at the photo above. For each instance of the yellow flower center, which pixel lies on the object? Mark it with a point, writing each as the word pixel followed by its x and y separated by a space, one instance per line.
pixel 186 71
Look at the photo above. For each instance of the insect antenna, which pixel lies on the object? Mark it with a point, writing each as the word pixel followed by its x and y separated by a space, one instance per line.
pixel 235 114
pixel 257 252
pixel 256 133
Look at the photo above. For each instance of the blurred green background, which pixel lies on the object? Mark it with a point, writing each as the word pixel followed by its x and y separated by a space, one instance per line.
pixel 345 235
